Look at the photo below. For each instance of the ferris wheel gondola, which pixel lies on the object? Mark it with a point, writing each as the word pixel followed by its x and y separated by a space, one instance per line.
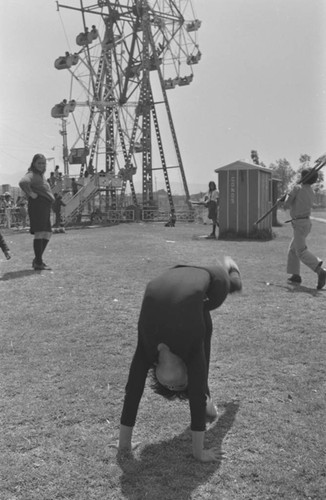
pixel 122 67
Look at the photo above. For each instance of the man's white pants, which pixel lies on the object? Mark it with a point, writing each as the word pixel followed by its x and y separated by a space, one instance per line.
pixel 298 251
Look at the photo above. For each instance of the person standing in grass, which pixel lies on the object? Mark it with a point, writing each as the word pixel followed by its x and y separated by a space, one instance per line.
pixel 57 204
pixel 8 204
pixel 300 201
pixel 75 186
pixel 40 199
pixel 174 342
pixel 21 205
pixel 212 202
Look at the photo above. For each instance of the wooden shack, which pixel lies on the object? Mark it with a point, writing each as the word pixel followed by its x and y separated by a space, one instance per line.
pixel 245 195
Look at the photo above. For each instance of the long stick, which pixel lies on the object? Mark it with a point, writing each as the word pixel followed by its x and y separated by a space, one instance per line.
pixel 267 213
pixel 320 163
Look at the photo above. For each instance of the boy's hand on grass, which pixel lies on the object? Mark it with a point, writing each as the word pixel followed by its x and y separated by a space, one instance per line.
pixel 7 255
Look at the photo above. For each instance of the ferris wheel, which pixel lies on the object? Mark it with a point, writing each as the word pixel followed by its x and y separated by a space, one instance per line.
pixel 125 60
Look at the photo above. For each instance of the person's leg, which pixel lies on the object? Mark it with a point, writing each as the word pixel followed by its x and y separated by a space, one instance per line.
pixel 207 342
pixel 301 229
pixel 41 239
pixel 45 240
pixel 213 215
pixel 321 276
pixel 293 261
pixel 306 257
pixel 38 250
pixel 211 410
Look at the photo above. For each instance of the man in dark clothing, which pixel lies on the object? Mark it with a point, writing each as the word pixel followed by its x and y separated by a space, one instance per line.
pixel 74 186
pixel 57 204
pixel 174 338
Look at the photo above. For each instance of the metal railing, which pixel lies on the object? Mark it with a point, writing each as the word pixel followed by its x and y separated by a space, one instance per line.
pixel 150 215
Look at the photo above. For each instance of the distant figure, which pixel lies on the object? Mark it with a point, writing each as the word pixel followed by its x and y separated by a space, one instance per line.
pixel 8 204
pixel 40 199
pixel 74 186
pixel 56 172
pixel 172 220
pixel 57 204
pixel 4 247
pixel 212 200
pixel 90 169
pixel 52 180
pixel 58 188
pixel 21 205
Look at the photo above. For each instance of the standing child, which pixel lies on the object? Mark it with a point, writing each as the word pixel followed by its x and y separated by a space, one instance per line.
pixel 300 201
pixel 40 199
pixel 212 203
pixel 4 247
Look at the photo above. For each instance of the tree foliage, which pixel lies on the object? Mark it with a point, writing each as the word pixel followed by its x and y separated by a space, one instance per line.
pixel 283 171
pixel 255 158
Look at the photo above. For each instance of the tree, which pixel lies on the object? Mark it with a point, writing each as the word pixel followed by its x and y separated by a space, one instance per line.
pixel 283 171
pixel 304 161
pixel 255 158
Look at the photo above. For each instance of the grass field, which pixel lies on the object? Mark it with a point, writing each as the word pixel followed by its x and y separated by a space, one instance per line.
pixel 68 333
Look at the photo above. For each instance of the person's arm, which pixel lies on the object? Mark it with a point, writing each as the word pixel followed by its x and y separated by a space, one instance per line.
pixel 198 451
pixel 290 197
pixel 25 185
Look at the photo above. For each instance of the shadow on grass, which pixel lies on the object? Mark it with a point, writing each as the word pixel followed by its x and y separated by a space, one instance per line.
pixel 18 274
pixel 294 288
pixel 304 289
pixel 167 470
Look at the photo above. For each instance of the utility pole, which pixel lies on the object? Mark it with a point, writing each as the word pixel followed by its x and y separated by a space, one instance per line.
pixel 63 132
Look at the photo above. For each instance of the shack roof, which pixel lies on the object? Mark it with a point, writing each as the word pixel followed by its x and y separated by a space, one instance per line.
pixel 242 165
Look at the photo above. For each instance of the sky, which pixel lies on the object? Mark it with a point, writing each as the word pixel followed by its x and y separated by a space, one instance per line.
pixel 260 85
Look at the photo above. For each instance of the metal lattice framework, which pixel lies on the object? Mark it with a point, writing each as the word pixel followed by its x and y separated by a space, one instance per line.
pixel 128 56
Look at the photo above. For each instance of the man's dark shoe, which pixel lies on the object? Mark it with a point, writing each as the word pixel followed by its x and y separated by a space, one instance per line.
pixel 295 278
pixel 42 267
pixel 321 279
pixel 46 267
pixel 38 267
